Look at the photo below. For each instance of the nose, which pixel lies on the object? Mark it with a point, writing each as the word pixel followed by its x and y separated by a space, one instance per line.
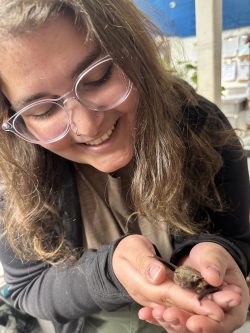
pixel 84 122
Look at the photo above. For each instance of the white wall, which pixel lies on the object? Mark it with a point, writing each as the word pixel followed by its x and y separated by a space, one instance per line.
pixel 184 49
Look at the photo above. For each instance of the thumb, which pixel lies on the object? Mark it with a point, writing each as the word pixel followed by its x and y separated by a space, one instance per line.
pixel 214 263
pixel 156 272
pixel 213 274
pixel 135 255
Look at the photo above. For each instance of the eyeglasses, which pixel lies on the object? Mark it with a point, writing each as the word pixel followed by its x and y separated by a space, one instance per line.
pixel 100 87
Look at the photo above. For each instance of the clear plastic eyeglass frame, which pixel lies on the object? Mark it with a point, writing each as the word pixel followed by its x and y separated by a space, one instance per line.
pixel 9 125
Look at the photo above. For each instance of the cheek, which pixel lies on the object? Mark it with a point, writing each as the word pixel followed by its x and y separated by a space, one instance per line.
pixel 130 106
pixel 59 146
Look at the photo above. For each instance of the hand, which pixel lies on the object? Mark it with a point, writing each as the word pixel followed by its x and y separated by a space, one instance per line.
pixel 217 267
pixel 150 283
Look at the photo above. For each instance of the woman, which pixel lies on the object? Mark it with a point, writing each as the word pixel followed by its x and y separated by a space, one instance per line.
pixel 106 160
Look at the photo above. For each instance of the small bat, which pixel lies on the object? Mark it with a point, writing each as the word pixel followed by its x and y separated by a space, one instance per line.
pixel 189 278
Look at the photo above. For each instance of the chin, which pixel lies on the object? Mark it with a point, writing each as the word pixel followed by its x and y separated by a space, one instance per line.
pixel 115 165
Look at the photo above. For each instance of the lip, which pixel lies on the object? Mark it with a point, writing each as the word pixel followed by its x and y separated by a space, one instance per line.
pixel 102 138
pixel 104 145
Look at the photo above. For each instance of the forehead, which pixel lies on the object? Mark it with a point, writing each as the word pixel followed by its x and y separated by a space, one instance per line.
pixel 51 51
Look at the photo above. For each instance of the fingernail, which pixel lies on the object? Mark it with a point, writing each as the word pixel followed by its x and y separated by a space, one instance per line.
pixel 154 272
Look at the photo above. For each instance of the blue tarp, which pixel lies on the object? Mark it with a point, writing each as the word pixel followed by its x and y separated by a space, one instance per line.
pixel 178 17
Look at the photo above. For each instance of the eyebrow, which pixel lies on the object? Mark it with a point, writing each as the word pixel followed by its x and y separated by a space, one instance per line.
pixel 85 63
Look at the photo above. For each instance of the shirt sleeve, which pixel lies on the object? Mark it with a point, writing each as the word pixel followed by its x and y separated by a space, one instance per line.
pixel 62 294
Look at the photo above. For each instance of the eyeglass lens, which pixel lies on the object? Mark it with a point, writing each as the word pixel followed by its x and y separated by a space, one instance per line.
pixel 100 89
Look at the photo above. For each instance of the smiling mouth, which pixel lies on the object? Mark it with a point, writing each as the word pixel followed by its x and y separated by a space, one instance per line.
pixel 103 138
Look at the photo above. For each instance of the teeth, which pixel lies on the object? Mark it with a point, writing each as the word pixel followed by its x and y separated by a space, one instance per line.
pixel 103 138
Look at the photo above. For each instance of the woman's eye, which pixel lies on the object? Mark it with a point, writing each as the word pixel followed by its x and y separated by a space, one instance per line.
pixel 99 80
pixel 41 113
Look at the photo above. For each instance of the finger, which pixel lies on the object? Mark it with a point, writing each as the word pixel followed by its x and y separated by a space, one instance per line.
pixel 187 300
pixel 136 254
pixel 130 267
pixel 226 298
pixel 172 319
pixel 170 328
pixel 202 324
pixel 169 294
pixel 177 318
pixel 176 315
pixel 145 313
pixel 212 261
pixel 233 288
pixel 156 272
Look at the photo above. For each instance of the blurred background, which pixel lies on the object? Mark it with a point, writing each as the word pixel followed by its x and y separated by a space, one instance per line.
pixel 210 42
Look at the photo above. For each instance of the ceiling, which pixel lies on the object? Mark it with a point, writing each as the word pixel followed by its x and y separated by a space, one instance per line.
pixel 178 17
